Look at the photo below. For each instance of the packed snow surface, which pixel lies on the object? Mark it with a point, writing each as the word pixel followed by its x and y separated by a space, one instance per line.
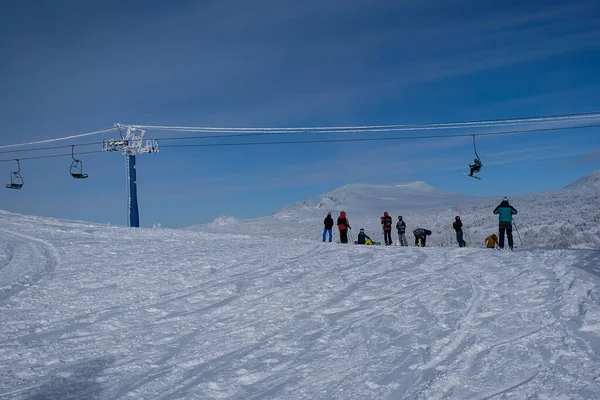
pixel 96 312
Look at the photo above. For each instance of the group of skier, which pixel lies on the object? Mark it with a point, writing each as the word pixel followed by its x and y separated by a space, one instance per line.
pixel 504 210
pixel 343 225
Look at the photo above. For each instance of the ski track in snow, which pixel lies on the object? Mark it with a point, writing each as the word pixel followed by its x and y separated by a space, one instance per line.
pixel 114 313
pixel 35 260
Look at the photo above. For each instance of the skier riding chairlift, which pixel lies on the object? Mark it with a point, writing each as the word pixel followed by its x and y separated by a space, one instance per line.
pixel 477 164
pixel 475 167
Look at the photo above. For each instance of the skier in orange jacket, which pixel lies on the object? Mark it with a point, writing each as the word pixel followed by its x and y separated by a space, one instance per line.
pixel 491 241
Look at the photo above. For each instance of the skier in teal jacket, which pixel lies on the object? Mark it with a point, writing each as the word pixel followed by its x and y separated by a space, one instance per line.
pixel 505 212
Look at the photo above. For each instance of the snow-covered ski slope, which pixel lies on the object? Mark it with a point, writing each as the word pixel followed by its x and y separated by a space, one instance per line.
pixel 96 312
pixel 566 218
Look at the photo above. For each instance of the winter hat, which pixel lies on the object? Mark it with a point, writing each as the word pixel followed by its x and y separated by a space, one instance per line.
pixel 399 216
pixel 362 229
pixel 329 213
pixel 457 218
pixel 385 214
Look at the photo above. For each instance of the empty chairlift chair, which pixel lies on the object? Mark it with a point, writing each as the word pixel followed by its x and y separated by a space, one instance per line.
pixel 16 180
pixel 76 166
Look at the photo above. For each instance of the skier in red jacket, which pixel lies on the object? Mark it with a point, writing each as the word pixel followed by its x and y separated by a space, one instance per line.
pixel 343 226
pixel 386 222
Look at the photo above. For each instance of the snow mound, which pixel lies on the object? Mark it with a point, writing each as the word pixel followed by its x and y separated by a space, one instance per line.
pixel 224 220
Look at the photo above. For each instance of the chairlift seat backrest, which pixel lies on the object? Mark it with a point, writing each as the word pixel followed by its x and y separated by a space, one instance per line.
pixel 77 170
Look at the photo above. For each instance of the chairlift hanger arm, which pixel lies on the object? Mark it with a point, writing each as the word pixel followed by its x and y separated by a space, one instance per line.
pixel 475 149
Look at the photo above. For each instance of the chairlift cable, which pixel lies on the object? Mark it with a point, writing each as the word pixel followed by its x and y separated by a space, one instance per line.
pixel 302 142
pixel 50 147
pixel 443 125
pixel 374 139
pixel 51 156
pixel 58 139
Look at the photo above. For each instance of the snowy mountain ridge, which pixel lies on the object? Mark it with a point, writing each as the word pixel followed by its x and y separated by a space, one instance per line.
pixel 588 182
pixel 564 218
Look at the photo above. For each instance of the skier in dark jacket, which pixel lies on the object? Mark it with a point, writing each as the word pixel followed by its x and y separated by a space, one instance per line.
pixel 343 226
pixel 475 167
pixel 505 212
pixel 328 222
pixel 363 238
pixel 386 222
pixel 421 234
pixel 457 225
pixel 401 227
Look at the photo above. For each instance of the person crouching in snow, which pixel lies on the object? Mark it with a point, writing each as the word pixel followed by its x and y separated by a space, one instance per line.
pixel 343 226
pixel 421 235
pixel 491 241
pixel 363 238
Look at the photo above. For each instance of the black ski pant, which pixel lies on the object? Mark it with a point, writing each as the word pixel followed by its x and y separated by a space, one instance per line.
pixel 387 237
pixel 459 239
pixel 343 235
pixel 505 227
pixel 423 239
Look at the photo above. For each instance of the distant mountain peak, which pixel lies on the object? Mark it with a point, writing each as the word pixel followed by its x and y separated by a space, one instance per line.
pixel 589 181
pixel 362 197
pixel 419 185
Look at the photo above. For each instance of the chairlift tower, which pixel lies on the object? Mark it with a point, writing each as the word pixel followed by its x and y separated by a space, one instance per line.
pixel 131 145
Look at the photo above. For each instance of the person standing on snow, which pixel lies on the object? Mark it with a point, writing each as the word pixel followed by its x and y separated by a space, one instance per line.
pixel 401 227
pixel 457 225
pixel 421 234
pixel 343 226
pixel 505 212
pixel 328 222
pixel 386 222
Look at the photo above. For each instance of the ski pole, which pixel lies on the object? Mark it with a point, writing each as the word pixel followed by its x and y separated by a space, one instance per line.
pixel 517 230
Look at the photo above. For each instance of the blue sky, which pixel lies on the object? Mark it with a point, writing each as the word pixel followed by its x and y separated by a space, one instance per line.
pixel 71 67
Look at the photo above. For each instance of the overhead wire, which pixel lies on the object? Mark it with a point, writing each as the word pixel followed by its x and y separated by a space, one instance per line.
pixel 254 132
pixel 50 147
pixel 369 139
pixel 379 138
pixel 51 156
pixel 59 139
pixel 360 128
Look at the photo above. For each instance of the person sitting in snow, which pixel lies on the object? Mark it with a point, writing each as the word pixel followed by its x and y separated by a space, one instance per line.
pixel 421 235
pixel 491 241
pixel 363 238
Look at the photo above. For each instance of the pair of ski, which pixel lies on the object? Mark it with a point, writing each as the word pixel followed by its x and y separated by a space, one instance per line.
pixel 471 176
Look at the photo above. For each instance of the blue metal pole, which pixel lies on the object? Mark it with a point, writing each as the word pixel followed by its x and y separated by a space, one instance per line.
pixel 134 215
